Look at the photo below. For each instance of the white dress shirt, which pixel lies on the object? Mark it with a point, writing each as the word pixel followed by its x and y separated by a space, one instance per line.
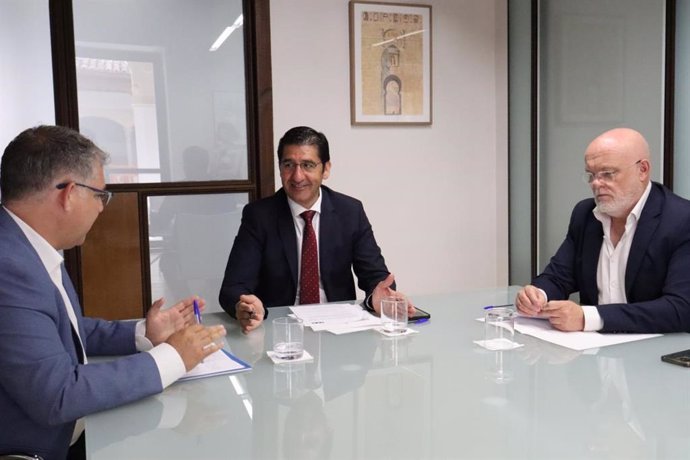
pixel 297 209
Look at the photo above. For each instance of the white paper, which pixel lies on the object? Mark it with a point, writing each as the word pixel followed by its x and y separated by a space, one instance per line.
pixel 336 318
pixel 328 313
pixel 498 344
pixel 218 363
pixel 574 340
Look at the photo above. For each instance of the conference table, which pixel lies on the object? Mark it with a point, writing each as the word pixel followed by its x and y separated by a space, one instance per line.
pixel 433 394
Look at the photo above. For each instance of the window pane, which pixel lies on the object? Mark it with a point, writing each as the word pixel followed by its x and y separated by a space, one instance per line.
pixel 26 70
pixel 190 238
pixel 151 89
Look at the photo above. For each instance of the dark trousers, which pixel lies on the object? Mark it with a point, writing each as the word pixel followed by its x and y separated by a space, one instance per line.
pixel 77 451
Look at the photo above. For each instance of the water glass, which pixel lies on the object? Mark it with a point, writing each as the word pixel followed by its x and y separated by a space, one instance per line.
pixel 288 337
pixel 394 314
pixel 499 328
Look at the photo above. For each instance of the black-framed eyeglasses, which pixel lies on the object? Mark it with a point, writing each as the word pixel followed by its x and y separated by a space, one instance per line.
pixel 101 194
pixel 290 166
pixel 604 176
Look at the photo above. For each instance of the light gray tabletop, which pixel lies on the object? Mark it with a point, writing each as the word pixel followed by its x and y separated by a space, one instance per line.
pixel 429 395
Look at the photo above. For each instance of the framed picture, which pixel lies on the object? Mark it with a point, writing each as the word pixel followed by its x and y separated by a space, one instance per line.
pixel 390 63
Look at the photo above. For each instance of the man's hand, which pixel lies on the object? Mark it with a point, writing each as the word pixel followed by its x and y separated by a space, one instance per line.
pixel 383 289
pixel 162 323
pixel 530 300
pixel 196 342
pixel 249 312
pixel 565 315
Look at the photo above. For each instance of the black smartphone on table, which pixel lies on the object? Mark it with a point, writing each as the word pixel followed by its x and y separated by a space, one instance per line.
pixel 419 316
pixel 680 358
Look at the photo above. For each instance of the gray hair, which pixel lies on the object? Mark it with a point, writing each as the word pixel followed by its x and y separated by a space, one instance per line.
pixel 35 159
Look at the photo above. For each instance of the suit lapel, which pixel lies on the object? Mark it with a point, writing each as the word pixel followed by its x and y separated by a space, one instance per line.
pixel 593 238
pixel 76 307
pixel 288 237
pixel 649 221
pixel 329 236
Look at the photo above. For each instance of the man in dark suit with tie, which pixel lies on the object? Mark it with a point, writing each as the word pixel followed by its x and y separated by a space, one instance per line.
pixel 51 185
pixel 301 244
pixel 627 250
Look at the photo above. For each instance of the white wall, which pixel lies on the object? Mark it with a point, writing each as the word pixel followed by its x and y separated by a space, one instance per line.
pixel 435 195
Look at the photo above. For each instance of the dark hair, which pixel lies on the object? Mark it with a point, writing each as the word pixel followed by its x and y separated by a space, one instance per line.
pixel 37 156
pixel 304 135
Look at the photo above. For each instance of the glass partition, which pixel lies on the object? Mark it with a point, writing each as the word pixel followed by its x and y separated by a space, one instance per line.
pixel 601 67
pixel 26 70
pixel 160 85
pixel 190 237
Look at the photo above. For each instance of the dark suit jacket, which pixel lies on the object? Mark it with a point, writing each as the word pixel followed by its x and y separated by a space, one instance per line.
pixel 43 388
pixel 657 277
pixel 263 259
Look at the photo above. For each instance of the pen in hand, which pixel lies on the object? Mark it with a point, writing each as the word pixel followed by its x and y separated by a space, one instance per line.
pixel 489 307
pixel 197 312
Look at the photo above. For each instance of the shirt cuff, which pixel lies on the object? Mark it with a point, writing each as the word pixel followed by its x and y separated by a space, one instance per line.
pixel 367 304
pixel 169 363
pixel 140 340
pixel 543 292
pixel 593 321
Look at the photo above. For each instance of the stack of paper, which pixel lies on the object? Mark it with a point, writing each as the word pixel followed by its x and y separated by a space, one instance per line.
pixel 336 318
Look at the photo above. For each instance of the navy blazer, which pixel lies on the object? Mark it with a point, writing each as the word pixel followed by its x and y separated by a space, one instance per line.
pixel 657 277
pixel 43 388
pixel 263 259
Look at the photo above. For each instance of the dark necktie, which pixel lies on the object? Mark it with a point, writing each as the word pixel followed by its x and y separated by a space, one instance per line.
pixel 309 273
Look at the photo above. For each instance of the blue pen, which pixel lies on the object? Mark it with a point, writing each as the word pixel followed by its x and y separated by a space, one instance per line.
pixel 421 320
pixel 197 313
pixel 489 307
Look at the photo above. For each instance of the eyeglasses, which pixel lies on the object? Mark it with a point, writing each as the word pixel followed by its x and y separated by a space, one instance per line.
pixel 290 166
pixel 101 194
pixel 604 176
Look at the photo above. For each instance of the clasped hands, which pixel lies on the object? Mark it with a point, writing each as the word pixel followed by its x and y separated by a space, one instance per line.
pixel 564 315
pixel 178 327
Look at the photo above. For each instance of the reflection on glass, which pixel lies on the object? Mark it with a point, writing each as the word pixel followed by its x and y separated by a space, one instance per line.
pixel 117 106
pixel 150 88
pixel 26 78
pixel 190 238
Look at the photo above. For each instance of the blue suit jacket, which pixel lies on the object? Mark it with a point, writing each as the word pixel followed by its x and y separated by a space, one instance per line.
pixel 43 388
pixel 657 277
pixel 263 259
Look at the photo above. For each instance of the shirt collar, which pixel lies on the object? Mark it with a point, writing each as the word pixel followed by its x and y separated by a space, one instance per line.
pixel 50 257
pixel 297 209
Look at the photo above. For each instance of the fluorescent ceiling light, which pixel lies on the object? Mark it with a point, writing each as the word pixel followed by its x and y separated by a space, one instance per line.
pixel 226 33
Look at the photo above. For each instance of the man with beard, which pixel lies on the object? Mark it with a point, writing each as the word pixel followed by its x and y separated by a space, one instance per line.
pixel 627 250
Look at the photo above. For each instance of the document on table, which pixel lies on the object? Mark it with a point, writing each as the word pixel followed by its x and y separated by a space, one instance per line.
pixel 336 318
pixel 218 363
pixel 543 330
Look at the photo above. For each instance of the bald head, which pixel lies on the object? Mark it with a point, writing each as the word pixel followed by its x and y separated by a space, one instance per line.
pixel 618 163
pixel 622 143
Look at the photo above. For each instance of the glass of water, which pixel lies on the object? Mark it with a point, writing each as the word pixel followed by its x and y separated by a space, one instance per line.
pixel 394 314
pixel 288 337
pixel 499 328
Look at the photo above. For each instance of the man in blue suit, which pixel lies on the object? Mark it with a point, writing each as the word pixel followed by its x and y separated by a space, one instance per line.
pixel 627 250
pixel 51 184
pixel 263 267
